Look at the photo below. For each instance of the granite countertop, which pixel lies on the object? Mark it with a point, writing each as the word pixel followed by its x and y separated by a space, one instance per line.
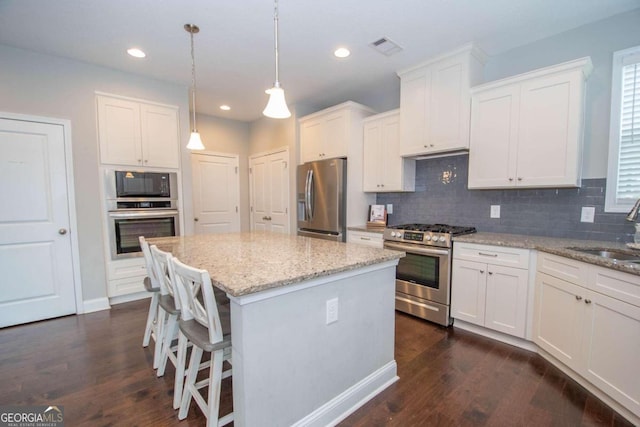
pixel 364 228
pixel 557 246
pixel 246 263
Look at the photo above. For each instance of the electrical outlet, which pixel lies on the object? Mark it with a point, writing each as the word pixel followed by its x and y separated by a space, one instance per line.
pixel 495 211
pixel 588 214
pixel 389 208
pixel 332 311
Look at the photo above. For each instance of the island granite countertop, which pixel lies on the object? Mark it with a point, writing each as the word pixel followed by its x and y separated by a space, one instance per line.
pixel 556 246
pixel 250 262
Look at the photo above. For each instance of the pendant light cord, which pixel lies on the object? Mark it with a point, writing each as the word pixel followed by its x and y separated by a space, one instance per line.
pixel 275 21
pixel 193 82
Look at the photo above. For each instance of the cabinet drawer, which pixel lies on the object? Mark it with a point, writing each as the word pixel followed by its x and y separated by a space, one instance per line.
pixel 127 286
pixel 497 255
pixel 126 269
pixel 364 238
pixel 616 284
pixel 563 268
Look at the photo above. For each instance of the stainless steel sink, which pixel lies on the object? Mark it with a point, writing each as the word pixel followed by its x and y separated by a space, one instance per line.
pixel 610 254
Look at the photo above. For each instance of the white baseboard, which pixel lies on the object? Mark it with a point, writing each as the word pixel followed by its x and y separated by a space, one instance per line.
pixel 92 305
pixel 130 297
pixel 347 402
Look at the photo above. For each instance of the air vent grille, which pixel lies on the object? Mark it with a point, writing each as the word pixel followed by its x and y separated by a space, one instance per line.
pixel 386 46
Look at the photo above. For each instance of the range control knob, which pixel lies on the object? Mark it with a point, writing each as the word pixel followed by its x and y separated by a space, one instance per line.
pixel 427 237
pixel 442 239
pixel 393 234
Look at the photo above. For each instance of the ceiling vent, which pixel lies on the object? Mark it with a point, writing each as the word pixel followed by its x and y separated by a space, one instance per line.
pixel 386 46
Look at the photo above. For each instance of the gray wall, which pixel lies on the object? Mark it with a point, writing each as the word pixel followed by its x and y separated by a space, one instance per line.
pixel 43 85
pixel 543 212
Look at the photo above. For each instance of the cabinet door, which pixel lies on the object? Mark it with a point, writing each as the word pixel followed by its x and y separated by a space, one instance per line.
pixel 391 163
pixel 611 346
pixel 414 113
pixel 336 136
pixel 468 291
pixel 494 138
pixel 119 131
pixel 506 308
pixel 372 168
pixel 311 140
pixel 449 106
pixel 558 316
pixel 550 131
pixel 160 136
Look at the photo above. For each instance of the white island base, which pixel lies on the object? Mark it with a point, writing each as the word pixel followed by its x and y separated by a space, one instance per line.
pixel 290 367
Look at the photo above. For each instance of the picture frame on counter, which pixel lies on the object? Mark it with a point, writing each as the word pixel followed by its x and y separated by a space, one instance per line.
pixel 377 216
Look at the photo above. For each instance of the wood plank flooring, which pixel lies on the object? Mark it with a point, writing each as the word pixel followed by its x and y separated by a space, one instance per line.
pixel 94 365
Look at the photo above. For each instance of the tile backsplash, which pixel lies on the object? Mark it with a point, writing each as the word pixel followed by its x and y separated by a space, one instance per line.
pixel 442 196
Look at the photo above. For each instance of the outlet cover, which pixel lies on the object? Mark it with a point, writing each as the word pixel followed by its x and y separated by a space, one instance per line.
pixel 588 214
pixel 495 211
pixel 332 311
pixel 389 208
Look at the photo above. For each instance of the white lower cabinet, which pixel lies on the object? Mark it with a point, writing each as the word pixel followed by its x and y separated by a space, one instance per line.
pixel 366 238
pixel 592 326
pixel 126 276
pixel 493 293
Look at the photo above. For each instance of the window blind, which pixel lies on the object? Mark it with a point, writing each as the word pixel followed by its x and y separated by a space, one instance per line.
pixel 629 143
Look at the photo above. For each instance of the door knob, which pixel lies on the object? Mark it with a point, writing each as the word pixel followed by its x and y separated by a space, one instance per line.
pixel 196 219
pixel 62 231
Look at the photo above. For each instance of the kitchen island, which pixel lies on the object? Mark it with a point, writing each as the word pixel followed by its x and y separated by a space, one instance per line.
pixel 293 362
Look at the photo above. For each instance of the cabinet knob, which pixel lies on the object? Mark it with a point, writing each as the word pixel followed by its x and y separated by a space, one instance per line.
pixel 490 273
pixel 382 185
pixel 587 301
pixel 146 161
pixel 519 178
pixel 578 297
pixel 481 271
pixel 431 145
pixel 425 146
pixel 510 179
pixel 196 219
pixel 139 160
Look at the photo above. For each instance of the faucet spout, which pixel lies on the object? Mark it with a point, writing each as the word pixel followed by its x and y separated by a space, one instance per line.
pixel 633 213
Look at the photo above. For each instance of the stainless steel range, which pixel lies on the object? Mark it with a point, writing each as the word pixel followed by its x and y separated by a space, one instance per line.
pixel 423 277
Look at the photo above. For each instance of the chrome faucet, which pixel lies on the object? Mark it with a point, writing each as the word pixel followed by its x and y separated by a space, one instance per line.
pixel 633 213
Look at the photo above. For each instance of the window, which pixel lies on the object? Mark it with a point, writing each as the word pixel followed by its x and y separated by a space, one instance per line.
pixel 623 180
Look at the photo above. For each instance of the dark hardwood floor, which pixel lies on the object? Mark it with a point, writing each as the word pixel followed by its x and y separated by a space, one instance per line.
pixel 94 365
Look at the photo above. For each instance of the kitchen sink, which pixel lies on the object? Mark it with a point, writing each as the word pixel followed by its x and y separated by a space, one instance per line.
pixel 612 254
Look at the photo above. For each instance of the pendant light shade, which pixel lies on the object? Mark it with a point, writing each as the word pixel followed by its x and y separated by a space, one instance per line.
pixel 195 142
pixel 277 106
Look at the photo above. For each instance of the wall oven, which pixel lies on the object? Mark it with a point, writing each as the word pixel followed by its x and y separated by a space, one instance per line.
pixel 423 276
pixel 139 204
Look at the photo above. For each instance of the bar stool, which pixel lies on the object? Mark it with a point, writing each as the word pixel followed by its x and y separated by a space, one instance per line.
pixel 203 326
pixel 151 285
pixel 168 314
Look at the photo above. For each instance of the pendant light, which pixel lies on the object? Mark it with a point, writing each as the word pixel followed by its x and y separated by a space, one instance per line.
pixel 277 106
pixel 195 143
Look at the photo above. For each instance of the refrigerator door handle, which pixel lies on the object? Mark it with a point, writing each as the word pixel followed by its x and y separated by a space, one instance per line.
pixel 308 197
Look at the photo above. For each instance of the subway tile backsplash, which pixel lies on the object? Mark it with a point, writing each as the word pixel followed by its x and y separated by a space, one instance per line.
pixel 441 196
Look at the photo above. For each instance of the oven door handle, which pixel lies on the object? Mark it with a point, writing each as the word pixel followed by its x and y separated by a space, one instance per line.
pixel 415 249
pixel 142 214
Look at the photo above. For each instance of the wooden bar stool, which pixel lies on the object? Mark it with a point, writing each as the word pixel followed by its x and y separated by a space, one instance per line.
pixel 151 285
pixel 208 329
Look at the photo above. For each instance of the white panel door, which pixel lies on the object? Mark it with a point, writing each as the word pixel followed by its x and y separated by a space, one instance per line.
pixel 216 193
pixel 506 309
pixel 119 131
pixel 270 192
pixel 160 136
pixel 372 157
pixel 468 291
pixel 35 244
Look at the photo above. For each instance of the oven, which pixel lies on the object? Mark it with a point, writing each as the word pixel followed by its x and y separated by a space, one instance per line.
pixel 139 203
pixel 423 279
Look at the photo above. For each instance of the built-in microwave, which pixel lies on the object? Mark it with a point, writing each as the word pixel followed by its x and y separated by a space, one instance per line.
pixel 127 184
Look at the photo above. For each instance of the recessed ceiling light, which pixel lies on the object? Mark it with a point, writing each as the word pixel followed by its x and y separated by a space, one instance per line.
pixel 225 107
pixel 342 52
pixel 136 53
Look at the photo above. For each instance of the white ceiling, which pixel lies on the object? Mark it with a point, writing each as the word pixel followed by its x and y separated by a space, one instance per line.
pixel 234 49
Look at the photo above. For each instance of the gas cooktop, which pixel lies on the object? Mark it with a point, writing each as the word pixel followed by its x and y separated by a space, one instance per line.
pixel 426 234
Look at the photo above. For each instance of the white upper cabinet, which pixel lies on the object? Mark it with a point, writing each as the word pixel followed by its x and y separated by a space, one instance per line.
pixel 383 167
pixel 328 133
pixel 526 131
pixel 133 133
pixel 435 102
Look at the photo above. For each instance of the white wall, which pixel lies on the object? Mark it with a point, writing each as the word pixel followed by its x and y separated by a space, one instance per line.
pixel 43 85
pixel 598 40
pixel 222 136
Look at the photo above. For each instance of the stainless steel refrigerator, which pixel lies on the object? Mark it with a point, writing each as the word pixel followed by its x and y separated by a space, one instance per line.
pixel 322 192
